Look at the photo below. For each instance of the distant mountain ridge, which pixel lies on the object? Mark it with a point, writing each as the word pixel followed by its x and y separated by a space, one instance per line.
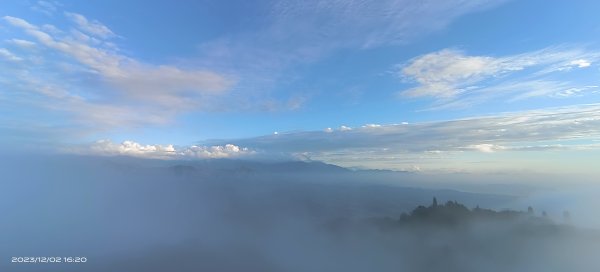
pixel 256 166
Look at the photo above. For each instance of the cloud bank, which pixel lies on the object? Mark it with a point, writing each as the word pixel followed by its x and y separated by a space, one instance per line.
pixel 134 149
pixel 578 122
pixel 410 147
pixel 445 144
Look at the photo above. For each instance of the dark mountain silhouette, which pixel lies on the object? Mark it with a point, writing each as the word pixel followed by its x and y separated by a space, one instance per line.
pixel 245 166
pixel 453 213
pixel 455 216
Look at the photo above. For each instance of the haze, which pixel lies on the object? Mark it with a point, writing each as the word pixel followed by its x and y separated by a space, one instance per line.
pixel 280 135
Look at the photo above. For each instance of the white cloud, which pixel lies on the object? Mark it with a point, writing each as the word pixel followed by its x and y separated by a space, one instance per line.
pixel 134 149
pixel 386 21
pixel 7 55
pixel 581 63
pixel 300 32
pixel 345 128
pixel 135 92
pixel 219 151
pixel 107 147
pixel 528 89
pixel 486 148
pixel 46 7
pixel 450 75
pixel 140 80
pixel 22 43
pixel 94 28
pixel 101 76
pixel 446 73
pixel 571 92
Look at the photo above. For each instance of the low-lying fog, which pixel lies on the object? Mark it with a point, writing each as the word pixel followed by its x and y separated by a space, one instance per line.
pixel 139 215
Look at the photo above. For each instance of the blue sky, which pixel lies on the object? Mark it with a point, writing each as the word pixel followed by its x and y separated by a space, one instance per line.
pixel 409 85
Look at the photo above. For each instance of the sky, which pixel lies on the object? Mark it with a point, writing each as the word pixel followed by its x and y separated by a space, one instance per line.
pixel 438 86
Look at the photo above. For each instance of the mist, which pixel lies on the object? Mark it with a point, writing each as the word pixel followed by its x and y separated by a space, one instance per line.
pixel 126 214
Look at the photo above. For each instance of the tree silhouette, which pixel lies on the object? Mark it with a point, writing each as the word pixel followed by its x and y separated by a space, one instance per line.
pixel 453 213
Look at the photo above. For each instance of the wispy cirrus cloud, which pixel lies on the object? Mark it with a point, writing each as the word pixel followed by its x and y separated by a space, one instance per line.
pixel 367 23
pixel 308 29
pixel 296 33
pixel 94 28
pixel 21 43
pixel 10 56
pixel 453 78
pixel 46 7
pixel 571 92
